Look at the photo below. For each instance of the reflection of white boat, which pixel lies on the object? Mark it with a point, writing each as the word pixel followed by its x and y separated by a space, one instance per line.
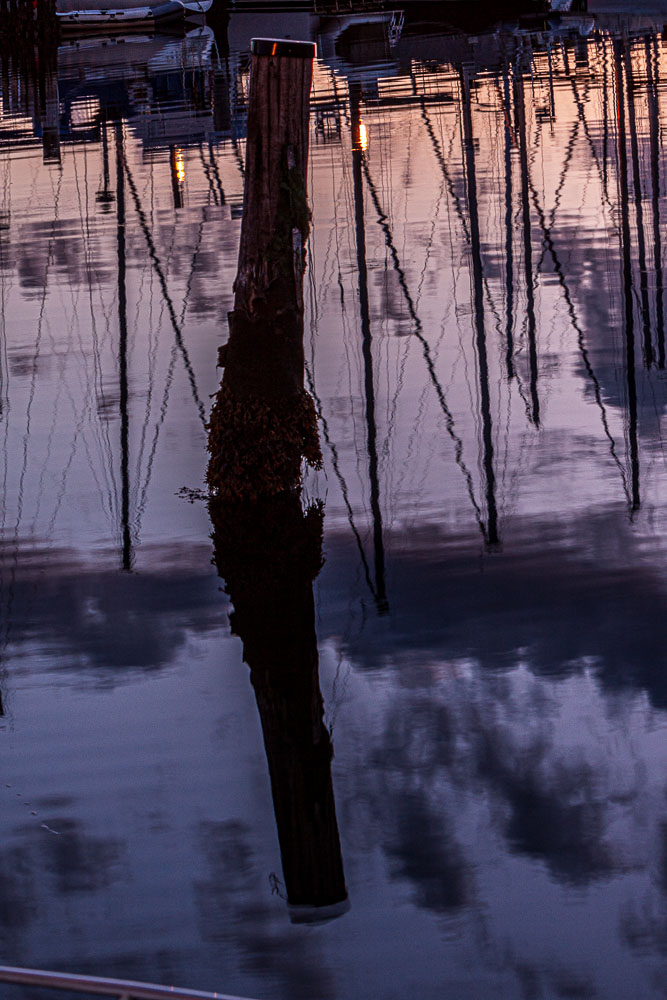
pixel 88 14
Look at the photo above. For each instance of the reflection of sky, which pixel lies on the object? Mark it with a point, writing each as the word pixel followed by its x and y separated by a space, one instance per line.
pixel 499 735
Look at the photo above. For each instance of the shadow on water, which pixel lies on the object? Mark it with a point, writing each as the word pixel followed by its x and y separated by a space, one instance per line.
pixel 262 429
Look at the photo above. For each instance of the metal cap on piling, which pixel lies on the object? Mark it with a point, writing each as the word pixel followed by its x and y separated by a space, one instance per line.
pixel 283 47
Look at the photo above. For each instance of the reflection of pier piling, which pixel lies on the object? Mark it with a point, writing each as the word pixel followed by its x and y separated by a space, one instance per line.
pixel 262 427
pixel 269 553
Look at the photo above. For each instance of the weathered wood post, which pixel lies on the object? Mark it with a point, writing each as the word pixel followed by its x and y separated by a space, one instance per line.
pixel 263 426
pixel 262 401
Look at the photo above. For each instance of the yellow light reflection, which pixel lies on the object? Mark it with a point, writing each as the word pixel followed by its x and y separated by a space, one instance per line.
pixel 179 165
pixel 363 137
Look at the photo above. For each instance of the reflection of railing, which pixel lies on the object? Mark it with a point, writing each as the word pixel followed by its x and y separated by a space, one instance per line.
pixel 120 988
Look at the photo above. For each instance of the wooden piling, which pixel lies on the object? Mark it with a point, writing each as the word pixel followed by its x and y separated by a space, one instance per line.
pixel 263 426
pixel 263 423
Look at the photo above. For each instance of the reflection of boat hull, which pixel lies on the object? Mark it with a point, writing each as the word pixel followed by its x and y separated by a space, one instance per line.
pixel 79 17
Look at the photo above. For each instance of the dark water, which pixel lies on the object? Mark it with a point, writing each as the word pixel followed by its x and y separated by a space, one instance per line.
pixel 485 345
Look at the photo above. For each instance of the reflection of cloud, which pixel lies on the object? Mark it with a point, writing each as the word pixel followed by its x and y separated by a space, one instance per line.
pixel 110 621
pixel 76 862
pixel 643 927
pixel 17 895
pixel 557 599
pixel 425 852
pixel 466 759
pixel 64 855
pixel 231 909
pixel 555 811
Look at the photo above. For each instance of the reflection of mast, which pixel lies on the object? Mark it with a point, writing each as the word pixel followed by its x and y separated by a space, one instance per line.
pixel 654 125
pixel 519 98
pixel 366 342
pixel 478 307
pixel 122 352
pixel 605 120
pixel 627 279
pixel 509 242
pixel 104 197
pixel 637 187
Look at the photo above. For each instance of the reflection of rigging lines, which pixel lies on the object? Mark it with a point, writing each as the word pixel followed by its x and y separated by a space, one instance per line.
pixel 107 467
pixel 4 364
pixel 168 383
pixel 653 69
pixel 456 200
pixel 549 246
pixel 417 331
pixel 26 436
pixel 581 339
pixel 152 363
pixel 341 479
pixel 101 432
pixel 639 211
pixel 335 460
pixel 178 334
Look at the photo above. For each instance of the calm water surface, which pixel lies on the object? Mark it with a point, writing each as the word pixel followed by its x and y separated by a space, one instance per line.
pixel 485 345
